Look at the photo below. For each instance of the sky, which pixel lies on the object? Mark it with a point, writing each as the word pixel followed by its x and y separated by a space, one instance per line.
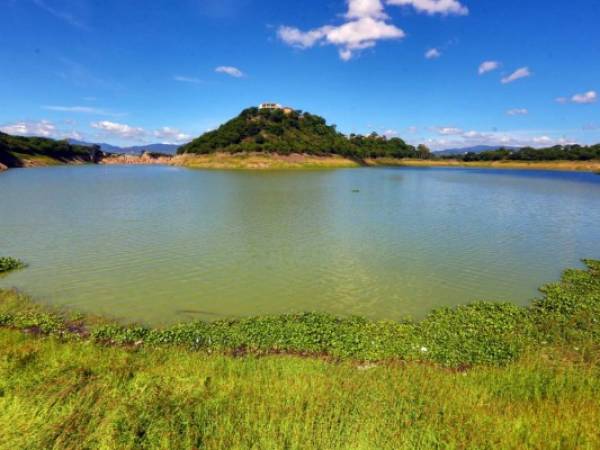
pixel 447 73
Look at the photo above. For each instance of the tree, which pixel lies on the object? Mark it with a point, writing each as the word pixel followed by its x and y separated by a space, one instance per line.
pixel 423 152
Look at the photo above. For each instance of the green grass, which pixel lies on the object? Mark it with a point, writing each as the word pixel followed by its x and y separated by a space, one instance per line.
pixel 72 395
pixel 485 376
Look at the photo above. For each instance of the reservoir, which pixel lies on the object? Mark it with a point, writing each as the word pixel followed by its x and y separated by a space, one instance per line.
pixel 163 244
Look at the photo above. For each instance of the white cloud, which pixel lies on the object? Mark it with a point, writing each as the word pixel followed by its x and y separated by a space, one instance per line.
pixel 488 66
pixel 390 133
pixel 357 9
pixel 350 37
pixel 185 79
pixel 171 135
pixel 517 112
pixel 231 71
pixel 48 129
pixel 523 72
pixel 432 53
pixel 448 131
pixel 444 7
pixel 582 99
pixel 365 25
pixel 79 109
pixel 361 34
pixel 521 138
pixel 30 128
pixel 587 97
pixel 43 128
pixel 301 39
pixel 119 130
pixel 73 135
pixel 167 135
pixel 542 140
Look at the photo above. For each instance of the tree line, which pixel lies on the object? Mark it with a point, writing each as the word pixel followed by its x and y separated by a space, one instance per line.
pixel 555 153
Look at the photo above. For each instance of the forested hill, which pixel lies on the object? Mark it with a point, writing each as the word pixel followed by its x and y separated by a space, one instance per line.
pixel 20 151
pixel 276 131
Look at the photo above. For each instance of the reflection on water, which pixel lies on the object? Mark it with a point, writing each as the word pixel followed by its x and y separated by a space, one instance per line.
pixel 163 244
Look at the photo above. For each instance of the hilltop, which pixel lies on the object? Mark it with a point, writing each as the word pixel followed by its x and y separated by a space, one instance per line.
pixel 287 131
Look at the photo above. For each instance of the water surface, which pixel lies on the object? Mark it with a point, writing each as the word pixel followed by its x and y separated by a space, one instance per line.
pixel 163 244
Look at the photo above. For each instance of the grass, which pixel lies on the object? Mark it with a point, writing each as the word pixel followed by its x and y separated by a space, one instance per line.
pixel 262 161
pixel 72 395
pixel 8 264
pixel 482 376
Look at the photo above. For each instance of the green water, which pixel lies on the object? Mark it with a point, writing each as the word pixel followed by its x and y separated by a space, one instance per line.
pixel 163 244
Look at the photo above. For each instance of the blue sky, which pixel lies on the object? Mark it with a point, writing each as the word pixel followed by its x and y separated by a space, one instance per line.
pixel 442 72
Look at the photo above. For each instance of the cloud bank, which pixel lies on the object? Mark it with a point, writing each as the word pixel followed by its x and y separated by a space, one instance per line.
pixel 167 135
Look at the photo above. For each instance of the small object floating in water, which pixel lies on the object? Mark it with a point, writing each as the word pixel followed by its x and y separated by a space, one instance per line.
pixel 355 190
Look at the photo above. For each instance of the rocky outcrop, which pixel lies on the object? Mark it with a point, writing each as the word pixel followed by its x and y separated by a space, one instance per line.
pixel 3 167
pixel 143 159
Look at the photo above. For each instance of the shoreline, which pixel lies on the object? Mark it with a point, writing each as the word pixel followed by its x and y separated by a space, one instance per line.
pixel 262 161
pixel 272 161
pixel 466 377
pixel 565 166
pixel 477 333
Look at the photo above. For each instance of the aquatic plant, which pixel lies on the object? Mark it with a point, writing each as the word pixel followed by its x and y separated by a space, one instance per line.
pixel 7 264
pixel 465 336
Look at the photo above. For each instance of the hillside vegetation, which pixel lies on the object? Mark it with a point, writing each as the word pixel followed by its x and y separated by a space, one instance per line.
pixel 21 151
pixel 274 131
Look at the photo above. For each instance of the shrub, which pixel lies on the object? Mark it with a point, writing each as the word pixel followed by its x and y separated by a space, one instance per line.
pixel 7 264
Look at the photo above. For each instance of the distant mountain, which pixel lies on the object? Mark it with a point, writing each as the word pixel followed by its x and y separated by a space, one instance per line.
pixel 170 149
pixel 153 148
pixel 474 149
pixel 103 146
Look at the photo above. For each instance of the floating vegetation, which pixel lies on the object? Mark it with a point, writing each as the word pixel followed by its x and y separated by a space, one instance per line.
pixel 479 333
pixel 8 264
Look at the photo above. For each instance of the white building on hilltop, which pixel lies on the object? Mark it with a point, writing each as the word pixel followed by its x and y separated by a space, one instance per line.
pixel 274 106
pixel 270 106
